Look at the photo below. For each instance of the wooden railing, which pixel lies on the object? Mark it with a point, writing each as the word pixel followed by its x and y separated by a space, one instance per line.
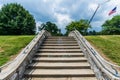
pixel 14 70
pixel 102 68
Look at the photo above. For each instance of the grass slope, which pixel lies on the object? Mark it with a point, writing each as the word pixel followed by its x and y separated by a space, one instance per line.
pixel 11 45
pixel 108 45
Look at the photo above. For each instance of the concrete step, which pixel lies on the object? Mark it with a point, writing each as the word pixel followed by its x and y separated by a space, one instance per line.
pixel 59 44
pixel 59 36
pixel 60 59
pixel 62 78
pixel 60 50
pixel 59 55
pixel 60 47
pixel 59 73
pixel 47 65
pixel 66 50
pixel 60 40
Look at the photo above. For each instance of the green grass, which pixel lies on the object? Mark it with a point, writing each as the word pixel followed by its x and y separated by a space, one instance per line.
pixel 11 46
pixel 108 45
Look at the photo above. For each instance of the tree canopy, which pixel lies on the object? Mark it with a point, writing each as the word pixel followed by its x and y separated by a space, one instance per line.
pixel 52 28
pixel 15 20
pixel 81 25
pixel 112 26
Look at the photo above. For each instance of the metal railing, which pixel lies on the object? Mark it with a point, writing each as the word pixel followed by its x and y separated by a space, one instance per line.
pixel 103 69
pixel 14 70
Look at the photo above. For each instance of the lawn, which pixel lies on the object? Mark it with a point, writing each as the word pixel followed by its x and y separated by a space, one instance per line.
pixel 109 46
pixel 10 46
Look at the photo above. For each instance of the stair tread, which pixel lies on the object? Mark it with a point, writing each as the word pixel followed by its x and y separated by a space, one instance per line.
pixel 59 49
pixel 59 54
pixel 59 72
pixel 60 38
pixel 65 47
pixel 63 78
pixel 40 64
pixel 61 44
pixel 62 41
pixel 60 58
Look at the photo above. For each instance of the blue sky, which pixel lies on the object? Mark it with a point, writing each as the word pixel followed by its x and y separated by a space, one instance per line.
pixel 63 12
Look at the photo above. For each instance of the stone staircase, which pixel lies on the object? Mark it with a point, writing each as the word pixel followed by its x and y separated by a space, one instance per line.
pixel 59 58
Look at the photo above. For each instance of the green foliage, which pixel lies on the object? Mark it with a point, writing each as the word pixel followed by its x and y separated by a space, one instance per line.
pixel 15 20
pixel 52 28
pixel 112 26
pixel 92 32
pixel 107 45
pixel 81 25
pixel 11 45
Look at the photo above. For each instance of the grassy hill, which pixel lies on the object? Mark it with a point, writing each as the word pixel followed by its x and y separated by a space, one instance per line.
pixel 108 46
pixel 11 45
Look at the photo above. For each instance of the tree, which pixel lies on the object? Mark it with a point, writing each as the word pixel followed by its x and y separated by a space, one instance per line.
pixel 92 32
pixel 51 27
pixel 15 20
pixel 112 26
pixel 81 25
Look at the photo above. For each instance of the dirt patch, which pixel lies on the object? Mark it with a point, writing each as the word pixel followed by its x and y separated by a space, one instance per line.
pixel 1 50
pixel 104 37
pixel 14 56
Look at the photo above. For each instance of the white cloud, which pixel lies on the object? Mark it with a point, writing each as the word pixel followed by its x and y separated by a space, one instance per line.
pixel 44 0
pixel 62 20
pixel 38 24
pixel 1 6
pixel 92 6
